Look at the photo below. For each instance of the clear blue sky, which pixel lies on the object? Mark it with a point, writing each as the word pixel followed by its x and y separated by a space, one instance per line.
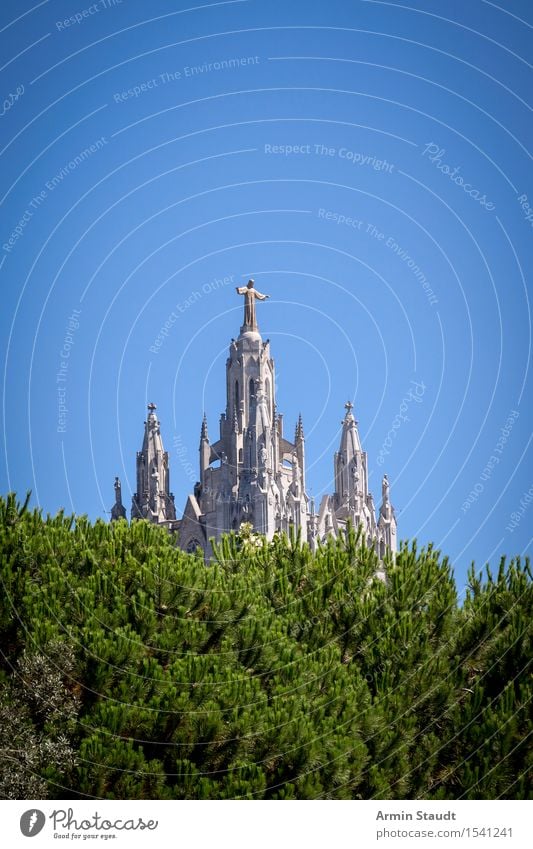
pixel 366 162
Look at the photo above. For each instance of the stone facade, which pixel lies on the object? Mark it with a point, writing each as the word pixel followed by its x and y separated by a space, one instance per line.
pixel 252 472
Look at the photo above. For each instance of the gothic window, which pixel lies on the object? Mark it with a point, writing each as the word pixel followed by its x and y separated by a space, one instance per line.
pixel 240 455
pixel 251 390
pixel 237 395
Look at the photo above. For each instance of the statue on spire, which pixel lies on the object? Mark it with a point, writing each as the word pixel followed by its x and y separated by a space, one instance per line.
pixel 118 511
pixel 250 295
pixel 385 489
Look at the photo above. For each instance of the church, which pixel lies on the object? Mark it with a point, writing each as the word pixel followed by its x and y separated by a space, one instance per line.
pixel 253 473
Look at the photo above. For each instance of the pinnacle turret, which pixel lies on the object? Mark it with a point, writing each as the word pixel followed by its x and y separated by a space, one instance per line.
pixel 153 499
pixel 350 441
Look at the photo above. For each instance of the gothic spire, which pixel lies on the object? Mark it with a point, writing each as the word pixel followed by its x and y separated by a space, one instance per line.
pixel 153 499
pixel 350 441
pixel 348 461
pixel 203 432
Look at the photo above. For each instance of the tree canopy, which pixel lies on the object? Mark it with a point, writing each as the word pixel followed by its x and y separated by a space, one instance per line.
pixel 130 669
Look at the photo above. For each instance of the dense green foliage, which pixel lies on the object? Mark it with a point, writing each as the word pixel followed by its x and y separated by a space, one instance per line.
pixel 130 669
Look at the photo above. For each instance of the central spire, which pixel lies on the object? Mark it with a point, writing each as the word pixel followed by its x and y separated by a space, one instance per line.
pixel 250 296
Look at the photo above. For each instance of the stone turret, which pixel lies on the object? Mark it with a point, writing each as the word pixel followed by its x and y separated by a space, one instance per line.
pixel 349 464
pixel 153 499
pixel 352 501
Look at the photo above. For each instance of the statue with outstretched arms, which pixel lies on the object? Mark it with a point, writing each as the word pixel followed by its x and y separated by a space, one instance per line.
pixel 250 296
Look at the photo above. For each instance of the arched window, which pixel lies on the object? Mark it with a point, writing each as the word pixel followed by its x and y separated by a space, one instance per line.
pixel 237 395
pixel 251 390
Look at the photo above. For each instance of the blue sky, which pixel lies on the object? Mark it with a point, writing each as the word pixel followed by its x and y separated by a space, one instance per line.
pixel 365 162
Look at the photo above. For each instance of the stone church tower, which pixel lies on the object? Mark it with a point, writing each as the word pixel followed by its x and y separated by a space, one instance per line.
pixel 252 472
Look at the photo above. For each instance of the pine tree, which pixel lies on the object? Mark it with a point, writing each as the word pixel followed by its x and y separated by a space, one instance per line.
pixel 131 669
